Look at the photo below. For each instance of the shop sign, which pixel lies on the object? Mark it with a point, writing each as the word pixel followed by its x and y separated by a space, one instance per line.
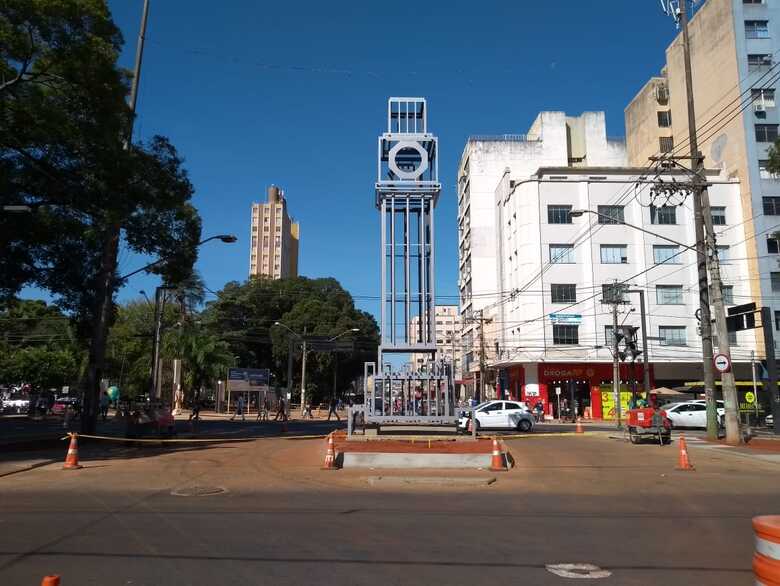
pixel 566 318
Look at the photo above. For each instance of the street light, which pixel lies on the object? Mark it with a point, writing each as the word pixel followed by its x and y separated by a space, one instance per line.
pixel 290 365
pixel 350 331
pixel 226 238
pixel 579 213
pixel 336 358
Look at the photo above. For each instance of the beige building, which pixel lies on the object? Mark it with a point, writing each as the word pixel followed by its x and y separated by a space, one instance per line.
pixel 448 328
pixel 275 238
pixel 734 48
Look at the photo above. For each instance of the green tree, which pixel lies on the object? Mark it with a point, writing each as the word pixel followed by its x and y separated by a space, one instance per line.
pixel 64 130
pixel 205 357
pixel 244 315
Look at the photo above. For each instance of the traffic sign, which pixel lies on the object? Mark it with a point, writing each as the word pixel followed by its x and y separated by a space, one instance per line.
pixel 722 363
pixel 750 397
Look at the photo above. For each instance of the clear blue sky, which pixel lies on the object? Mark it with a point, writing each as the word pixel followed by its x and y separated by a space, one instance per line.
pixel 294 93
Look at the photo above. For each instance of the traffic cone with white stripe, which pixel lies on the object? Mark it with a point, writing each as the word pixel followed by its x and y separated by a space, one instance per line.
pixel 53 580
pixel 579 429
pixel 498 461
pixel 683 462
pixel 766 559
pixel 72 459
pixel 330 455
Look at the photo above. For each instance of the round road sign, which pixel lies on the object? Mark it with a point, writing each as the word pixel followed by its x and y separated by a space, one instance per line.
pixel 722 363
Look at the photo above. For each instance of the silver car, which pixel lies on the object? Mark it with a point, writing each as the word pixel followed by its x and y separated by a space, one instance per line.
pixel 507 415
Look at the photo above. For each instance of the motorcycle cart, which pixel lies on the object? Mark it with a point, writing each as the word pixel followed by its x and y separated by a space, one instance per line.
pixel 645 423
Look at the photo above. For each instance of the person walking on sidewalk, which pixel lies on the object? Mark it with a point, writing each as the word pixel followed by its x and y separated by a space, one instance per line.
pixel 239 409
pixel 281 411
pixel 104 405
pixel 262 414
pixel 307 411
pixel 333 404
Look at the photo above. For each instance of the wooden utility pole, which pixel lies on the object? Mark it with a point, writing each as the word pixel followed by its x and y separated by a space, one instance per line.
pixel 482 362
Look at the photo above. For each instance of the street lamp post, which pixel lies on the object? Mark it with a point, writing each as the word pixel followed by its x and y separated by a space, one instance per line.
pixel 336 358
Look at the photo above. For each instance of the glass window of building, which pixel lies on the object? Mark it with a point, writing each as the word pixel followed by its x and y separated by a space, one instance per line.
pixel 759 61
pixel 772 246
pixel 614 254
pixel 562 254
pixel 664 215
pixel 611 215
pixel 718 215
pixel 563 293
pixel 766 132
pixel 666 144
pixel 723 254
pixel 558 214
pixel 669 295
pixel 667 253
pixel 771 205
pixel 727 291
pixel 565 334
pixel 757 29
pixel 672 335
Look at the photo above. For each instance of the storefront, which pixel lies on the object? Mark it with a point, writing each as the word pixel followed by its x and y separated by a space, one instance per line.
pixel 566 387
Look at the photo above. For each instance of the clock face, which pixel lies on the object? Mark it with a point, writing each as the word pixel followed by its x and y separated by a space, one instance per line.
pixel 408 160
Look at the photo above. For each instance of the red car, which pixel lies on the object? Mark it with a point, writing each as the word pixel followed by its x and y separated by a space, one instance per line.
pixel 62 403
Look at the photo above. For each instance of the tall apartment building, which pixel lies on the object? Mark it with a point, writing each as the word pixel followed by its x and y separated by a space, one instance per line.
pixel 448 327
pixel 546 330
pixel 734 53
pixel 275 239
pixel 554 140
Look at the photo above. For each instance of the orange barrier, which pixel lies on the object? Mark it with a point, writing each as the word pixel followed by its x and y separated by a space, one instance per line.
pixel 766 559
pixel 330 455
pixel 50 581
pixel 498 461
pixel 683 462
pixel 72 458
pixel 579 429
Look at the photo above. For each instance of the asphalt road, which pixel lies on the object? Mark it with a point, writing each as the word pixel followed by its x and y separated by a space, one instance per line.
pixel 282 520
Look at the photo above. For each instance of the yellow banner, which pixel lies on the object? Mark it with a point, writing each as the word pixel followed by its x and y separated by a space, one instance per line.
pixel 608 404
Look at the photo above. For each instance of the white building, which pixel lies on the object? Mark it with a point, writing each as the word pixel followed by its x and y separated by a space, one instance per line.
pixel 548 326
pixel 448 328
pixel 554 140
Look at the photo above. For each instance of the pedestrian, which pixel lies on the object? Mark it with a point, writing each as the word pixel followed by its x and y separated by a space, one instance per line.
pixel 104 405
pixel 539 409
pixel 281 411
pixel 195 413
pixel 307 411
pixel 239 408
pixel 333 405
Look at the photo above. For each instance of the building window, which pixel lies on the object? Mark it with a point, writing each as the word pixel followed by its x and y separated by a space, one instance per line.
pixel 614 254
pixel 718 215
pixel 665 118
pixel 666 144
pixel 772 246
pixel 759 61
pixel 611 215
pixel 763 172
pixel 672 335
pixel 563 293
pixel 727 292
pixel 753 1
pixel 723 254
pixel 254 241
pixel 278 241
pixel 757 29
pixel 775 279
pixel 565 334
pixel 665 215
pixel 763 97
pixel 766 132
pixel 666 253
pixel 558 214
pixel 669 295
pixel 562 254
pixel 265 229
pixel 777 319
pixel 772 205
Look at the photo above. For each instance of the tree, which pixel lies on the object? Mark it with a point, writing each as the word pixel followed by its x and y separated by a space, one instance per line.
pixel 244 315
pixel 205 357
pixel 64 132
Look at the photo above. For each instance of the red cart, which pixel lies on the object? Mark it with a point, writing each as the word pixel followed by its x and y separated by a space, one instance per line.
pixel 647 423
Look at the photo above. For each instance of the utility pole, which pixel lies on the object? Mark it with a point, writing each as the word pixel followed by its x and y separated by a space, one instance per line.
pixel 645 350
pixel 705 243
pixel 482 363
pixel 106 281
pixel 771 366
pixel 615 358
pixel 303 376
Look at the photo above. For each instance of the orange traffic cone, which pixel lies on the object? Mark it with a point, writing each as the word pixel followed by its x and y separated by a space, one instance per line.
pixel 50 581
pixel 579 429
pixel 330 455
pixel 72 459
pixel 497 462
pixel 683 463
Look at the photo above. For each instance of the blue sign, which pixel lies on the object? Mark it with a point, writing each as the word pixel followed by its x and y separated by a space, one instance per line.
pixel 566 318
pixel 248 379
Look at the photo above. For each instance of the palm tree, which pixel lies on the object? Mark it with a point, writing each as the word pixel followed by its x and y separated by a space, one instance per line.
pixel 204 357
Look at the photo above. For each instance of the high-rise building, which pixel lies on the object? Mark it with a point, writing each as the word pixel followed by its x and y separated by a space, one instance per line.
pixel 734 49
pixel 275 239
pixel 447 328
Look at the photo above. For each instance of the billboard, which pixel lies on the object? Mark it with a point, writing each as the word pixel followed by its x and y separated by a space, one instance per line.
pixel 248 379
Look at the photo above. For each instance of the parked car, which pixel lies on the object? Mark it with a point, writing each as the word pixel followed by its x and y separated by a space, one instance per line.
pixel 721 410
pixel 499 415
pixel 688 414
pixel 62 403
pixel 16 403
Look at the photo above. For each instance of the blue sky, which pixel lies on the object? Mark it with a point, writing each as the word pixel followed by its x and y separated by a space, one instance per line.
pixel 294 93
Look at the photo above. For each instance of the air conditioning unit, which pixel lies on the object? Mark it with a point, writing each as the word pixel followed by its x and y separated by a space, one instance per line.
pixel 759 107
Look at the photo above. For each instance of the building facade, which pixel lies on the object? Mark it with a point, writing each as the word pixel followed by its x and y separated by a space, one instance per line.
pixel 553 333
pixel 734 54
pixel 274 239
pixel 448 329
pixel 554 140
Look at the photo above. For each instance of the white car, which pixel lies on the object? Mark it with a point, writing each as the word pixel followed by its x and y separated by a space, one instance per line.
pixel 688 414
pixel 721 409
pixel 500 415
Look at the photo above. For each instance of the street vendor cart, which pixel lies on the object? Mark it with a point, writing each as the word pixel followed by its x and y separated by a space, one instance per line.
pixel 649 423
